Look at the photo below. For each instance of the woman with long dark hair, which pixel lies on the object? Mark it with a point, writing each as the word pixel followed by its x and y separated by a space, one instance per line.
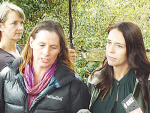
pixel 125 70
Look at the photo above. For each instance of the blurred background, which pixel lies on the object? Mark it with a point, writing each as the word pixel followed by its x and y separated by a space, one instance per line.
pixel 90 22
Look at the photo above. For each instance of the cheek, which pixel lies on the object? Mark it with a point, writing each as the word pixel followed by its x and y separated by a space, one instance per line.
pixel 36 52
pixel 55 54
pixel 122 56
pixel 124 53
pixel 107 48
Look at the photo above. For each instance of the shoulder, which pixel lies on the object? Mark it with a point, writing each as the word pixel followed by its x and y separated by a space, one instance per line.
pixel 4 57
pixel 4 53
pixel 77 81
pixel 95 78
pixel 78 89
pixel 64 76
pixel 78 85
pixel 93 81
pixel 78 78
pixel 12 67
pixel 4 71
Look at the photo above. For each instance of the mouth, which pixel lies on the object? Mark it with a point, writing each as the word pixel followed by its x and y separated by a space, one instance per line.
pixel 44 60
pixel 110 58
pixel 19 33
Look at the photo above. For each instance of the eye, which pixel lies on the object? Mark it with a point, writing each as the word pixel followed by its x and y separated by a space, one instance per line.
pixel 14 23
pixel 120 46
pixel 53 47
pixel 41 45
pixel 108 42
pixel 22 23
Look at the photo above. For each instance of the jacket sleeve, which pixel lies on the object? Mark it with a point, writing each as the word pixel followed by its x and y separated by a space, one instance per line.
pixel 2 104
pixel 3 74
pixel 80 97
pixel 91 87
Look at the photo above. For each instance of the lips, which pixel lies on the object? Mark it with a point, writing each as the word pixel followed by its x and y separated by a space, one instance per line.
pixel 19 33
pixel 44 60
pixel 110 58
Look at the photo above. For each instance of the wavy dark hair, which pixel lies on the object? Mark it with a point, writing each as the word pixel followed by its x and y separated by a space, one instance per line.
pixel 136 59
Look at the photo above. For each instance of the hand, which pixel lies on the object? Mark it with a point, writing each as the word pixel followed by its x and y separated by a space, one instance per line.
pixel 72 55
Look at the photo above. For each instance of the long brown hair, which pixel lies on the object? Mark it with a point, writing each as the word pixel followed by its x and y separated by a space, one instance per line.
pixel 136 59
pixel 50 26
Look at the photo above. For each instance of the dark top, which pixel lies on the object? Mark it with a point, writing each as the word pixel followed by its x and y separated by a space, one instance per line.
pixel 65 93
pixel 125 86
pixel 114 108
pixel 5 56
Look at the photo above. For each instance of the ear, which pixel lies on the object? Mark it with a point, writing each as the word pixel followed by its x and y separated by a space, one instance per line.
pixel 31 42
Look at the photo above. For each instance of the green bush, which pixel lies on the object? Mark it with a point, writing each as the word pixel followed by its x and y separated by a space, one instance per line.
pixel 83 68
pixel 90 21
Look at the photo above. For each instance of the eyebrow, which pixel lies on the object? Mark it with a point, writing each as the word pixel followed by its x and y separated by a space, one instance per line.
pixel 117 42
pixel 44 43
pixel 41 42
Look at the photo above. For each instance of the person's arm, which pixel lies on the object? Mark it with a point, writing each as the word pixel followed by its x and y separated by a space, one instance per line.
pixel 72 55
pixel 4 58
pixel 3 75
pixel 2 104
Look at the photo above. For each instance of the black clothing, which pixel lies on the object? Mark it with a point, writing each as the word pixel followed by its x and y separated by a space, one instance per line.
pixel 65 93
pixel 114 108
pixel 5 56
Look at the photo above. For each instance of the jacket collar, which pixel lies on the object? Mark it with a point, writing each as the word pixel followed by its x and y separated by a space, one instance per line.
pixel 14 64
pixel 64 75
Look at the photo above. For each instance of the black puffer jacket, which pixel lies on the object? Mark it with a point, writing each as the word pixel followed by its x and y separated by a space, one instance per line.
pixel 66 92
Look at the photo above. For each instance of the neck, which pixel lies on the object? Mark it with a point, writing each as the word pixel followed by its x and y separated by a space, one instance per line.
pixel 8 46
pixel 120 72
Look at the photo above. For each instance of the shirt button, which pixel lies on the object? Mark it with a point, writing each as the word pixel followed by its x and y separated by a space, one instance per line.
pixel 117 83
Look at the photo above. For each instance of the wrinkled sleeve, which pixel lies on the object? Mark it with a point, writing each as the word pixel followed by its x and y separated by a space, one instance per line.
pixel 91 87
pixel 80 97
pixel 2 105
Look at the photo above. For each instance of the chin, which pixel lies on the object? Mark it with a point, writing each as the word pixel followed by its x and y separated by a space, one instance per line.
pixel 18 38
pixel 111 64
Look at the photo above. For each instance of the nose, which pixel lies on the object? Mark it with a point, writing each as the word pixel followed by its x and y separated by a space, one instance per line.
pixel 20 27
pixel 112 49
pixel 46 51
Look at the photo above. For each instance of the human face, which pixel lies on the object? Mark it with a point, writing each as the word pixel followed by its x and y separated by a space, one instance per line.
pixel 46 48
pixel 12 28
pixel 116 49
